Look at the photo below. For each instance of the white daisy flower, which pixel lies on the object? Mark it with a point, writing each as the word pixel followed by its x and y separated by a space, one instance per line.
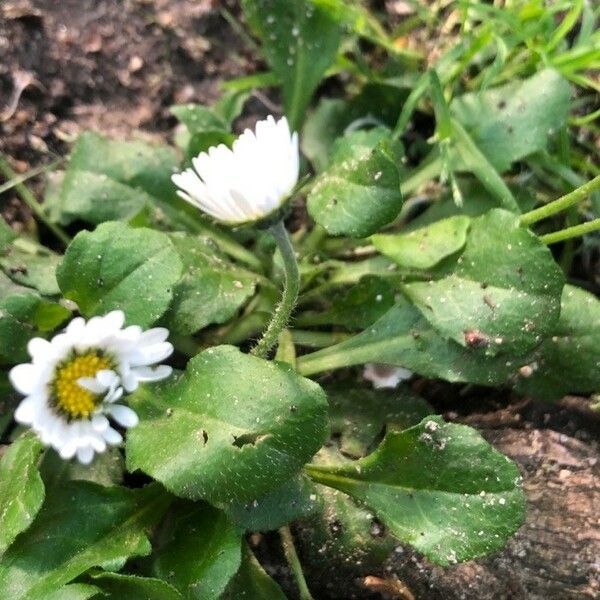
pixel 249 181
pixel 385 376
pixel 75 381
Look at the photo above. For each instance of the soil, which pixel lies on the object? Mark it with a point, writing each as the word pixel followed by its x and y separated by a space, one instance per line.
pixel 115 66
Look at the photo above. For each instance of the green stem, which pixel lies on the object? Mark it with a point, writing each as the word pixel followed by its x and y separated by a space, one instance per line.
pixel 292 557
pixel 562 203
pixel 32 202
pixel 248 326
pixel 288 296
pixel 327 359
pixel 571 232
pixel 324 475
pixel 318 339
pixel 29 175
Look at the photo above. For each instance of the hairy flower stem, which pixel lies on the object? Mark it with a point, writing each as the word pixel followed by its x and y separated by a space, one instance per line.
pixel 289 295
pixel 571 232
pixel 292 557
pixel 562 203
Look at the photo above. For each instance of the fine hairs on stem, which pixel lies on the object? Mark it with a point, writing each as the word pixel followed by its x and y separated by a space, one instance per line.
pixel 289 295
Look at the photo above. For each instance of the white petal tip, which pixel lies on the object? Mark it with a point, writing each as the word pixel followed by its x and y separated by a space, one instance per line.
pixel 124 415
pixel 85 455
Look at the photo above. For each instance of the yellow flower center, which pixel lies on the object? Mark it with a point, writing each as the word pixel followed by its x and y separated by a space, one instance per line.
pixel 70 398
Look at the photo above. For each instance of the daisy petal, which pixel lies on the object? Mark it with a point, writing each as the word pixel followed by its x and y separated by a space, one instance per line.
pixel 38 348
pixel 67 451
pixel 91 384
pixel 123 415
pixel 154 336
pixel 129 381
pixel 385 376
pixel 100 423
pixel 114 320
pixel 152 373
pixel 24 378
pixel 114 394
pixel 107 378
pixel 112 437
pixel 85 455
pixel 98 443
pixel 26 411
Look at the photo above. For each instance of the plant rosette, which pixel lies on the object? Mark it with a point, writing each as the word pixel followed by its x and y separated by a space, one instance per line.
pixel 211 386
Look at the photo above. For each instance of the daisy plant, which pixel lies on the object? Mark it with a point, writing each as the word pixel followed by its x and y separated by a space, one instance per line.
pixel 188 360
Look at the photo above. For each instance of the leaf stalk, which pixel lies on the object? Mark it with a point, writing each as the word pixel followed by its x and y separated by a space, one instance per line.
pixel 291 555
pixel 571 232
pixel 562 203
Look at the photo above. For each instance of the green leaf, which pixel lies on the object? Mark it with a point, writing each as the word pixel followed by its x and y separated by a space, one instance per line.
pixel 439 487
pixel 81 525
pixel 356 307
pixel 201 551
pixel 106 469
pixel 251 582
pixel 7 234
pixel 74 591
pixel 21 488
pixel 230 105
pixel 477 163
pixel 322 128
pixel 22 317
pixel 119 267
pixel 96 198
pixel 31 265
pixel 111 180
pixel 300 39
pixel 361 416
pixel 211 290
pixel 358 143
pixel 403 337
pixel 344 273
pixel 358 196
pixel 292 500
pixel 512 121
pixel 378 103
pixel 204 128
pixel 216 431
pixel 118 587
pixel 7 403
pixel 198 118
pixel 426 247
pixel 501 296
pixel 568 361
pixel 476 202
pixel 343 536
